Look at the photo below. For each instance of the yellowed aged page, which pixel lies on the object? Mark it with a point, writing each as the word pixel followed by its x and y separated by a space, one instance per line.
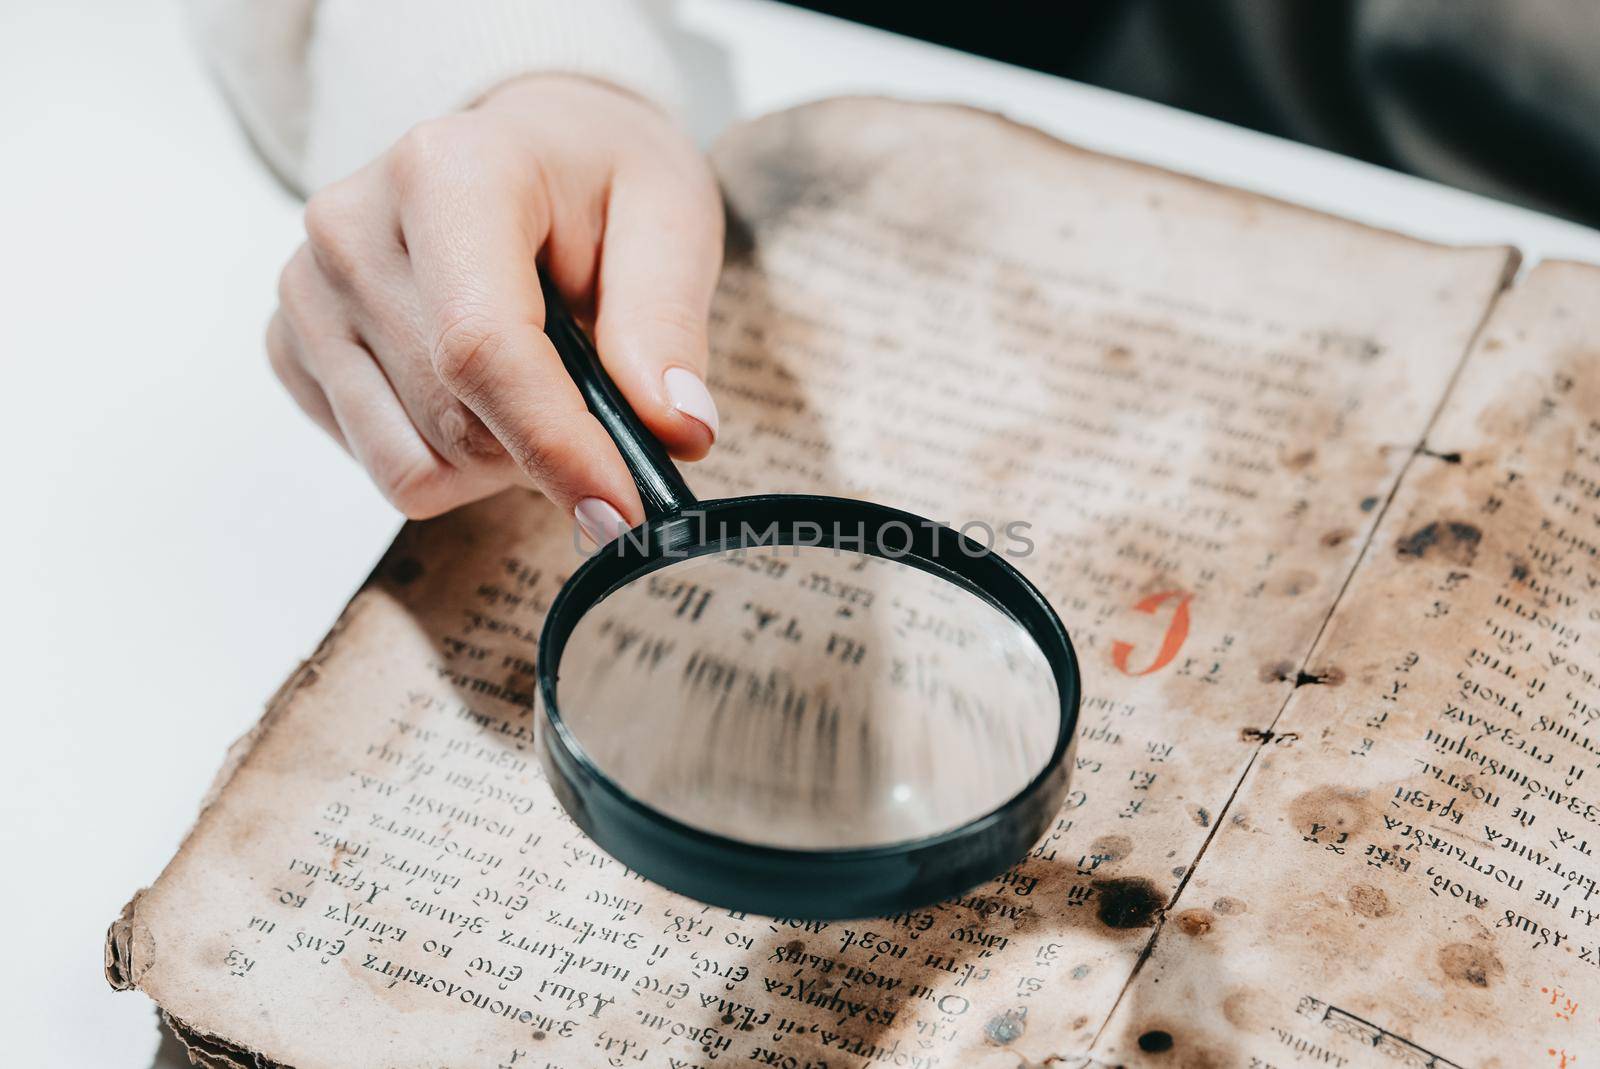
pixel 1408 874
pixel 1197 398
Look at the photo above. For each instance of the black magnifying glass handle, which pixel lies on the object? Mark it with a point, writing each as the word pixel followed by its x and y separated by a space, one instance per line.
pixel 661 488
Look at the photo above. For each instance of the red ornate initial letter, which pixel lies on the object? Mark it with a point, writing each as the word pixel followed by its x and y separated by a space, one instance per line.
pixel 1171 642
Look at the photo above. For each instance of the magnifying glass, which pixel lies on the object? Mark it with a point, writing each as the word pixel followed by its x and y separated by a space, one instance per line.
pixel 798 706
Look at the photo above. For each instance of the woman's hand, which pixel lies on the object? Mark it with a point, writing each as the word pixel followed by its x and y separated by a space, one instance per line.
pixel 410 323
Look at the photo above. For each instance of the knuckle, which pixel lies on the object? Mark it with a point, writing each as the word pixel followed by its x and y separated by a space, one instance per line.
pixel 279 355
pixel 411 485
pixel 421 150
pixel 466 343
pixel 294 283
pixel 332 228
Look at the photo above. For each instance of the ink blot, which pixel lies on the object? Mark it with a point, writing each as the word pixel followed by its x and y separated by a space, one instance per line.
pixel 1155 1041
pixel 1131 902
pixel 1368 504
pixel 1328 677
pixel 1453 540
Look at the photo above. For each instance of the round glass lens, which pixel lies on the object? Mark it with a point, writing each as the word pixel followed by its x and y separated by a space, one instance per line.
pixel 808 698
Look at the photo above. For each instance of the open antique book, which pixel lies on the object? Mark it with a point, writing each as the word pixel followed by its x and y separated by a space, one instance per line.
pixel 1320 506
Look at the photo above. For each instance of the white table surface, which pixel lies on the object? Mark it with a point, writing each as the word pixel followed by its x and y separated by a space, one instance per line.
pixel 182 536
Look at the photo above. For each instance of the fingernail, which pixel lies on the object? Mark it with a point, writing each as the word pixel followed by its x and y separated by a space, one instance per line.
pixel 690 396
pixel 598 520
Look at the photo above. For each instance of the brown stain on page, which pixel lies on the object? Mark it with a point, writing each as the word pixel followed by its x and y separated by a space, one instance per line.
pixel 1246 1009
pixel 1470 964
pixel 1301 460
pixel 1276 672
pixel 1330 808
pixel 1369 901
pixel 1112 847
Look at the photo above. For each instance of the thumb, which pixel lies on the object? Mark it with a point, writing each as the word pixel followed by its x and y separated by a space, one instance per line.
pixel 659 262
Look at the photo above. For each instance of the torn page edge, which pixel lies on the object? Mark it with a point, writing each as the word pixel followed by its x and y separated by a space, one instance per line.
pixel 214 1052
pixel 122 969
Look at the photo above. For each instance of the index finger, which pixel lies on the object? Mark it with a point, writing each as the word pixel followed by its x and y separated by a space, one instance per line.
pixel 474 253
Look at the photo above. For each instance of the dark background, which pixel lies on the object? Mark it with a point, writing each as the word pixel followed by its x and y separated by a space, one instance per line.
pixel 1501 97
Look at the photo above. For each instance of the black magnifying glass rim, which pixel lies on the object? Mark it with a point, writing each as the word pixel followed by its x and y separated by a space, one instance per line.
pixel 778 881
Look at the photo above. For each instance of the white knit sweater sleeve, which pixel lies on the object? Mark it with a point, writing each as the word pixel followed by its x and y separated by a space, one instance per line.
pixel 323 86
